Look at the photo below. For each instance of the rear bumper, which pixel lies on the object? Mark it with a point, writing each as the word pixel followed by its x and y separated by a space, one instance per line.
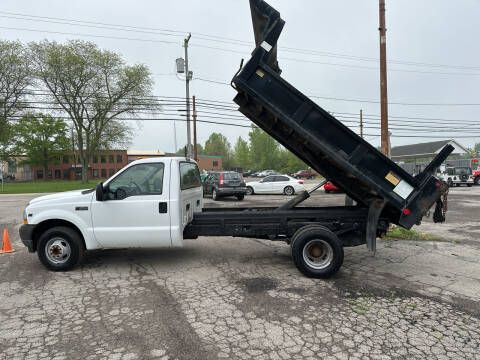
pixel 231 191
pixel 26 235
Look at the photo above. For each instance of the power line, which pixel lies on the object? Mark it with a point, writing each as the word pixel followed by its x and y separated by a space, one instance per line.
pixel 216 38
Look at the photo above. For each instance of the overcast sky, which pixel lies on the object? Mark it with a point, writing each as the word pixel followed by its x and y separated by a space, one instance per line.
pixel 341 41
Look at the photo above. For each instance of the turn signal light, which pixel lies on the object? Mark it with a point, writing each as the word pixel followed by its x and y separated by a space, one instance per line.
pixel 221 180
pixel 406 211
pixel 300 182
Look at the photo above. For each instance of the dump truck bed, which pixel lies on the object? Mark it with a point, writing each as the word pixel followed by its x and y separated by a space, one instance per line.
pixel 323 142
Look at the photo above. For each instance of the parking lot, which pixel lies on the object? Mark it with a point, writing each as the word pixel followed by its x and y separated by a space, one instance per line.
pixel 236 298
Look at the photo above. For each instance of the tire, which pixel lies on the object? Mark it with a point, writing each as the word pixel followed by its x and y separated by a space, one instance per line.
pixel 469 185
pixel 477 180
pixel 316 251
pixel 214 195
pixel 289 191
pixel 450 183
pixel 60 248
pixel 327 191
pixel 250 190
pixel 240 197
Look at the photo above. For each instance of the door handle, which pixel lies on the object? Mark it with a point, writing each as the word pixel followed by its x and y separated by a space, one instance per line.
pixel 162 208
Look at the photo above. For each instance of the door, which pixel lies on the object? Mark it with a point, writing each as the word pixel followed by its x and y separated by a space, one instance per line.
pixel 209 184
pixel 279 184
pixel 265 186
pixel 136 213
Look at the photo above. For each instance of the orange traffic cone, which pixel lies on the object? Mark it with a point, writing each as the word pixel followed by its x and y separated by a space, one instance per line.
pixel 7 246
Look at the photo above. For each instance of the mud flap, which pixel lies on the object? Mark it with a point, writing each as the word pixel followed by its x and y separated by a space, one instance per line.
pixel 374 212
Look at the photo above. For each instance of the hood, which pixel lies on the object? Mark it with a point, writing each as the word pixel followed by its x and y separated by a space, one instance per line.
pixel 59 197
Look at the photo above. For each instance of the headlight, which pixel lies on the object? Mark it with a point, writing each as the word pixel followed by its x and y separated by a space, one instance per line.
pixel 25 216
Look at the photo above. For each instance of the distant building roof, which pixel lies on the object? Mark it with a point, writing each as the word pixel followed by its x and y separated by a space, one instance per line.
pixel 145 153
pixel 425 150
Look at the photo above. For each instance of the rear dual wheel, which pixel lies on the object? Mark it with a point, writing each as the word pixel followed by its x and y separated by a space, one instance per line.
pixel 316 251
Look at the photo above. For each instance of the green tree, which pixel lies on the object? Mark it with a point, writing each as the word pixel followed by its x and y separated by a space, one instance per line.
pixel 94 87
pixel 41 138
pixel 241 154
pixel 476 147
pixel 217 144
pixel 15 78
pixel 264 150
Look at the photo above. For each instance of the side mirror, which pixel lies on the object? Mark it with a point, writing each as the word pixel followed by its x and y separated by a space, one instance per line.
pixel 100 192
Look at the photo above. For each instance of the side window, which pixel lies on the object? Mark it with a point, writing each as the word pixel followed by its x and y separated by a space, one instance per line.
pixel 281 178
pixel 269 179
pixel 141 179
pixel 189 176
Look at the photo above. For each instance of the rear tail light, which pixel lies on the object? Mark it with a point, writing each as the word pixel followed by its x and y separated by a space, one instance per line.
pixel 406 212
pixel 300 182
pixel 454 178
pixel 221 180
pixel 244 183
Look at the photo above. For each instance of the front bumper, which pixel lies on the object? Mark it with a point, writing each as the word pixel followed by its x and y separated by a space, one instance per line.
pixel 26 235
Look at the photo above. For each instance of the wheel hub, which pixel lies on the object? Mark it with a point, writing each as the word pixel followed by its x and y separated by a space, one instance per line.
pixel 318 254
pixel 58 250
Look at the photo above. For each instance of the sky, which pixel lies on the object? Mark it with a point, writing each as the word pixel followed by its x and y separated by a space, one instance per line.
pixel 328 49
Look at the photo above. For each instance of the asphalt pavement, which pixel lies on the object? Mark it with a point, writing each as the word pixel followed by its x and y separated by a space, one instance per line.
pixel 234 298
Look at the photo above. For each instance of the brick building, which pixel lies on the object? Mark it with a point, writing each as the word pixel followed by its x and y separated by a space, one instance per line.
pixel 101 166
pixel 205 162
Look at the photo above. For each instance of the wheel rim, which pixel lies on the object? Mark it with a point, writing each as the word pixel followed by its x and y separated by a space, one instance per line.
pixel 318 254
pixel 214 194
pixel 249 191
pixel 58 250
pixel 288 191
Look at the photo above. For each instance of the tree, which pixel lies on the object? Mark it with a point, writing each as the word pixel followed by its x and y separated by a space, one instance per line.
pixel 264 150
pixel 476 147
pixel 15 78
pixel 41 138
pixel 241 155
pixel 94 88
pixel 217 144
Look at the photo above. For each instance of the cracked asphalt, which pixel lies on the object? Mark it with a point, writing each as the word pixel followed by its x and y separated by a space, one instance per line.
pixel 232 298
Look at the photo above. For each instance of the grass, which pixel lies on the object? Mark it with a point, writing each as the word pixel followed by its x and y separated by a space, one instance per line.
pixel 398 232
pixel 44 186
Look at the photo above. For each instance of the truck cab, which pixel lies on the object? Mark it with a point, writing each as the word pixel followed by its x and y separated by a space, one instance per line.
pixel 146 204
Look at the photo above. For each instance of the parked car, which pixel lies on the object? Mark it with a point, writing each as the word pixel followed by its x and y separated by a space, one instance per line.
pixel 304 174
pixel 275 184
pixel 249 173
pixel 265 173
pixel 329 187
pixel 224 183
pixel 476 176
pixel 457 176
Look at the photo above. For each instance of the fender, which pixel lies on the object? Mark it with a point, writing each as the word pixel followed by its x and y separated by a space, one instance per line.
pixel 82 222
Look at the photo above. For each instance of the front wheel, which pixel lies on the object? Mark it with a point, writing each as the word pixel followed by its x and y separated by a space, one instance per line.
pixel 289 191
pixel 316 251
pixel 214 195
pixel 240 197
pixel 250 190
pixel 60 248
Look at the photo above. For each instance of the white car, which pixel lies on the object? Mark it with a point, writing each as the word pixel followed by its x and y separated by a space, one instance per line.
pixel 275 184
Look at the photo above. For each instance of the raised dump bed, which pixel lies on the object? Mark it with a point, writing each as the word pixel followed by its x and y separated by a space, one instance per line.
pixel 323 142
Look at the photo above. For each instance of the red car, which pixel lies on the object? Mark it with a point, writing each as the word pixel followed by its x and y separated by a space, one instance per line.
pixel 303 174
pixel 329 187
pixel 476 176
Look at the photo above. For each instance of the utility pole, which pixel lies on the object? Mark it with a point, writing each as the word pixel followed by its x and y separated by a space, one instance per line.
pixel 175 136
pixel 385 143
pixel 187 96
pixel 195 154
pixel 361 123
